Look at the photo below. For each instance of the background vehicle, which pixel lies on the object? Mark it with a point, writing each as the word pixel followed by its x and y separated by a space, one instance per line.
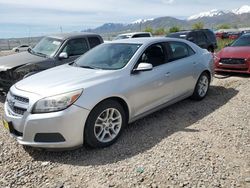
pixel 133 35
pixel 51 51
pixel 236 57
pixel 21 48
pixel 234 35
pixel 205 38
pixel 116 83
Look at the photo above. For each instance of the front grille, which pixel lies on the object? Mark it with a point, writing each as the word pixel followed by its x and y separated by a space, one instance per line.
pixel 21 99
pixel 17 104
pixel 233 61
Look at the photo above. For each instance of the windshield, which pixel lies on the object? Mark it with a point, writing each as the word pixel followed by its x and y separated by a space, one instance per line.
pixel 122 37
pixel 242 41
pixel 108 56
pixel 47 47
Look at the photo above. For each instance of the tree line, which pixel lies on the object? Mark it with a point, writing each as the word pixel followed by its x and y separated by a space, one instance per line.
pixel 197 25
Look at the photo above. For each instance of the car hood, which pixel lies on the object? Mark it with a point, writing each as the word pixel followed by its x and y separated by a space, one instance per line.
pixel 63 79
pixel 235 52
pixel 18 59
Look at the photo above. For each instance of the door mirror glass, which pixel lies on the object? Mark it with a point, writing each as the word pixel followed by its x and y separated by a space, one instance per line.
pixel 191 39
pixel 63 55
pixel 144 67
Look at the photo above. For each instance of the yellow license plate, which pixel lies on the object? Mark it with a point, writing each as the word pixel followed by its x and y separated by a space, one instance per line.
pixel 6 125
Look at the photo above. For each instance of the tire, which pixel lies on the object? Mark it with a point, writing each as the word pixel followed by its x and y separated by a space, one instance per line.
pixel 202 87
pixel 17 51
pixel 100 129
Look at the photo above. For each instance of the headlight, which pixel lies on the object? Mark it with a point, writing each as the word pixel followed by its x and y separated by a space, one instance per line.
pixel 56 103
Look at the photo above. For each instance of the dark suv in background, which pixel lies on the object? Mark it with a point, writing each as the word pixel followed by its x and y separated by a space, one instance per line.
pixel 51 51
pixel 205 38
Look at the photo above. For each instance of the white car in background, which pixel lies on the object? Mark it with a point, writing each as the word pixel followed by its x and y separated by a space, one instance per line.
pixel 21 48
pixel 133 35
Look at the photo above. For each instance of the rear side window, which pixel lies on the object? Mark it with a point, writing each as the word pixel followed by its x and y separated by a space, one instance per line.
pixel 76 47
pixel 179 50
pixel 201 37
pixel 94 41
pixel 210 35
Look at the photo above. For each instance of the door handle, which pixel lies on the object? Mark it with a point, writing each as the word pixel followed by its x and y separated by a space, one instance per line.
pixel 194 63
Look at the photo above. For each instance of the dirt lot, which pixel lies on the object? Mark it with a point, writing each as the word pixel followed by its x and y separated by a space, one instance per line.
pixel 190 144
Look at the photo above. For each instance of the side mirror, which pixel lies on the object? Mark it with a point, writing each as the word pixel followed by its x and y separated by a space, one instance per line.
pixel 227 45
pixel 144 67
pixel 191 39
pixel 63 55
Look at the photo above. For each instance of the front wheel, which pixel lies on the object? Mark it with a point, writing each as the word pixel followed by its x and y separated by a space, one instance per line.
pixel 202 87
pixel 104 124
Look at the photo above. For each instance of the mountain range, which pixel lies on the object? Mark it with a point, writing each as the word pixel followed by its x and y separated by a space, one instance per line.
pixel 239 17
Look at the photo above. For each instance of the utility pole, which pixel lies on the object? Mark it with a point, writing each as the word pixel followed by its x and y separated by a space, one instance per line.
pixel 61 29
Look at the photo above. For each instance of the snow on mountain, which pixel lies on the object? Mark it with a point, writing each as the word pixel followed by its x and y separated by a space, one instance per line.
pixel 142 20
pixel 242 10
pixel 210 13
pixel 215 12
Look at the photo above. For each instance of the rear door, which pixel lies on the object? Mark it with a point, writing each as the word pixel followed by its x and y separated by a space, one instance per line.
pixel 182 66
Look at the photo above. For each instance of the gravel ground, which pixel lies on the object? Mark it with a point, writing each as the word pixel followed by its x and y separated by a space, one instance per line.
pixel 189 144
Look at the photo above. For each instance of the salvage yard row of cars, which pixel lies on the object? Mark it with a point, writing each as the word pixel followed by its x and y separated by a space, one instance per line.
pixel 89 99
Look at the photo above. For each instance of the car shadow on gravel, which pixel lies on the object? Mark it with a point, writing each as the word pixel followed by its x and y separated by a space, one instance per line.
pixel 144 134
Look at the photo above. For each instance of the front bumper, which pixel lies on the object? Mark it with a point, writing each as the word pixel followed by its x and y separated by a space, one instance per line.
pixel 68 123
pixel 234 68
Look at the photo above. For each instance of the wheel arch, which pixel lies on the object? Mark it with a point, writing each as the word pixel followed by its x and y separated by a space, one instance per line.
pixel 121 101
pixel 209 74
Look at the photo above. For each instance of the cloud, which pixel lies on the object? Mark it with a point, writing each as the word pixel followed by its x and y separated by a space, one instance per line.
pixel 167 1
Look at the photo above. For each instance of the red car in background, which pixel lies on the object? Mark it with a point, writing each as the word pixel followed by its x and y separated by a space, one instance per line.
pixel 234 36
pixel 234 58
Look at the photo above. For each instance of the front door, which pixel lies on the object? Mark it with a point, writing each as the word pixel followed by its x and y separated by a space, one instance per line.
pixel 74 48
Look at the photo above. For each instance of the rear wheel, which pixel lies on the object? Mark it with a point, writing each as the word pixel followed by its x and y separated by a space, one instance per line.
pixel 104 124
pixel 202 87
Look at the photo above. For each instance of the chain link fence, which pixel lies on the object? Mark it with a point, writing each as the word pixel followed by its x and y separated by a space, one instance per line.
pixel 8 44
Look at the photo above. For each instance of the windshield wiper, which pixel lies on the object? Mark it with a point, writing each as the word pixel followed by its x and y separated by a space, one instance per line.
pixel 88 67
pixel 37 53
pixel 41 54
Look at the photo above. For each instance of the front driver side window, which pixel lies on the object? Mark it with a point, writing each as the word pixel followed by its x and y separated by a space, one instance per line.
pixel 76 47
pixel 154 55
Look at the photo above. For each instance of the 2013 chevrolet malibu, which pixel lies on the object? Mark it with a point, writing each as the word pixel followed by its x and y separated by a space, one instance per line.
pixel 91 100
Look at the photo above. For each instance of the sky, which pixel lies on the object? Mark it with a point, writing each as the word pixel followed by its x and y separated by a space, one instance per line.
pixel 20 18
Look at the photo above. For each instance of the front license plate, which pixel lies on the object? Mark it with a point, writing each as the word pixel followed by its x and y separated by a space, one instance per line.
pixel 6 125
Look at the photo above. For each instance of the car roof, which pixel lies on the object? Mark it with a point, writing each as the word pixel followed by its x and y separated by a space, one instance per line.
pixel 64 36
pixel 134 33
pixel 146 40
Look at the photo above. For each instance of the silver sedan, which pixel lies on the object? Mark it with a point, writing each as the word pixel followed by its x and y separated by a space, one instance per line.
pixel 91 100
